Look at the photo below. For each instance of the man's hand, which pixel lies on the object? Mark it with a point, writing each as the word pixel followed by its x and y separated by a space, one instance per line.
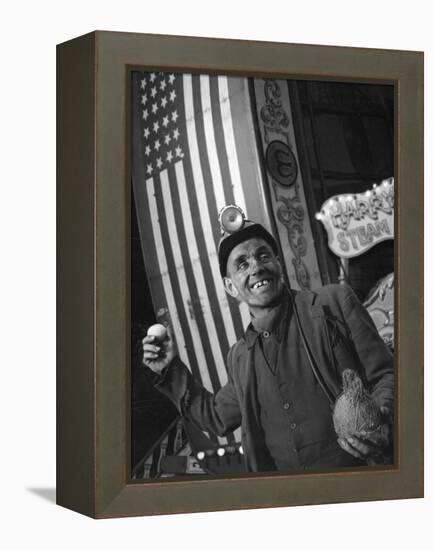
pixel 369 445
pixel 158 354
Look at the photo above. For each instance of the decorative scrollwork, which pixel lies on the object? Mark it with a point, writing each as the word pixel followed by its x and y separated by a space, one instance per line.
pixel 273 115
pixel 291 214
pixel 301 273
pixel 289 210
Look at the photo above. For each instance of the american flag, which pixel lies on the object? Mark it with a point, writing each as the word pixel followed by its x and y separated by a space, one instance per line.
pixel 194 151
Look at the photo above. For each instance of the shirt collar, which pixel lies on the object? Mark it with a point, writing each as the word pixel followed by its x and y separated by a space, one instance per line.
pixel 273 322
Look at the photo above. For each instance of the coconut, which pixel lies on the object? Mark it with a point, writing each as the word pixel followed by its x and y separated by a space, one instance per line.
pixel 355 410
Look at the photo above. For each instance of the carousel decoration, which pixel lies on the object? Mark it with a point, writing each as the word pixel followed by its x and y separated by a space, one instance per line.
pixel 355 223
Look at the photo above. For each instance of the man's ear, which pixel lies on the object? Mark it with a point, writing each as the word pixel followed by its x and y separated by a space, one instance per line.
pixel 230 287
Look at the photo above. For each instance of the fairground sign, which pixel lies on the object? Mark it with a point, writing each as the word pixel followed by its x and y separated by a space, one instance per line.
pixel 355 223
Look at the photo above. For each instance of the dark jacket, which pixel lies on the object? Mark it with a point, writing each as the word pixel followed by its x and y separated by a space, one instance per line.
pixel 340 335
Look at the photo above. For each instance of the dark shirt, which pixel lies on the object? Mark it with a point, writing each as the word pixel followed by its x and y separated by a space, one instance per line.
pixel 295 414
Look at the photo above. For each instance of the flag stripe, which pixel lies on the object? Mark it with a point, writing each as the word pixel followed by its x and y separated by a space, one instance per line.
pixel 164 288
pixel 198 275
pixel 247 153
pixel 230 143
pixel 170 274
pixel 212 376
pixel 238 312
pixel 234 95
pixel 180 262
pixel 197 144
pixel 194 303
pixel 158 274
pixel 174 299
pixel 216 175
pixel 166 213
pixel 234 168
pixel 220 141
pixel 217 188
pixel 198 200
pixel 149 253
pixel 245 315
pixel 142 209
pixel 204 230
pixel 206 214
pixel 162 255
pixel 203 211
pixel 165 257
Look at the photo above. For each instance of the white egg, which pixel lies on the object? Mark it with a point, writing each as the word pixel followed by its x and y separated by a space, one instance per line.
pixel 158 331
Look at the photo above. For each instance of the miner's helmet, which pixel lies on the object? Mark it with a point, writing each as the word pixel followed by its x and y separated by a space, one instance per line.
pixel 235 229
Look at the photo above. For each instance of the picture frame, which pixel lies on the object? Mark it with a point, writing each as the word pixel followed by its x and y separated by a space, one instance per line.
pixel 93 204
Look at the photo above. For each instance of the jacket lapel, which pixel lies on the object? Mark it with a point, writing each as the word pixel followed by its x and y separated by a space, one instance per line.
pixel 315 325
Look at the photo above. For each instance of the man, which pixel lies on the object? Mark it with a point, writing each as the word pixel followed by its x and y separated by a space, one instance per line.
pixel 286 371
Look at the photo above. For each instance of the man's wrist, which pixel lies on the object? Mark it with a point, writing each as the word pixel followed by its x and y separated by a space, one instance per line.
pixel 161 376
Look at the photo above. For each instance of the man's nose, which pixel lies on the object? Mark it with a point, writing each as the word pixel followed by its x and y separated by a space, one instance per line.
pixel 255 266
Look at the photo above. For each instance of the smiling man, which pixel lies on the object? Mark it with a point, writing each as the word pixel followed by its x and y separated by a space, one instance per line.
pixel 254 276
pixel 286 371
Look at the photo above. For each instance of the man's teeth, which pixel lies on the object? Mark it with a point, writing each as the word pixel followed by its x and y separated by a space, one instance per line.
pixel 261 283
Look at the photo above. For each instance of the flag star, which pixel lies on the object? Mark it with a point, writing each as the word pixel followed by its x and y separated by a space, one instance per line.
pixel 143 84
pixel 171 78
pixel 153 91
pixel 164 102
pixel 153 77
pixel 147 150
pixel 149 169
pixel 146 132
pixel 144 99
pixel 156 126
pixel 165 121
pixel 157 145
pixel 175 116
pixel 159 162
pixel 169 156
pixel 175 133
pixel 179 152
pixel 163 85
pixel 167 139
pixel 154 108
pixel 172 95
pixel 145 114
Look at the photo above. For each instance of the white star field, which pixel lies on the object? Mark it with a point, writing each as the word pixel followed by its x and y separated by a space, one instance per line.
pixel 160 121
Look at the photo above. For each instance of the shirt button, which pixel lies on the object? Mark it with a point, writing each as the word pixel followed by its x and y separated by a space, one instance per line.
pixel 266 334
pixel 286 406
pixel 293 425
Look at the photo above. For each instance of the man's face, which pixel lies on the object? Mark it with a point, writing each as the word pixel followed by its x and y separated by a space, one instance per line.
pixel 254 274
